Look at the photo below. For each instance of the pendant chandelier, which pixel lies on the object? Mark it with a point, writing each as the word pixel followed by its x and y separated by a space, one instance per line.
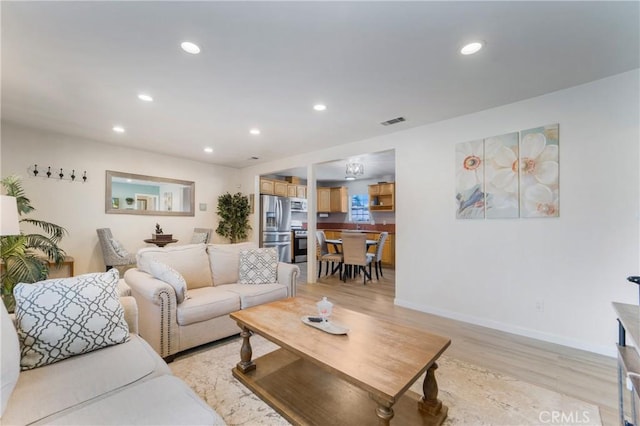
pixel 354 169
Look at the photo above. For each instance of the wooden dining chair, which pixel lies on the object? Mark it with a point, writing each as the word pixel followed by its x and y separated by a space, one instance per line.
pixel 324 255
pixel 376 258
pixel 354 252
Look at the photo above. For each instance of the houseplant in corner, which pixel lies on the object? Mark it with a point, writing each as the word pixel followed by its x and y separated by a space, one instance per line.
pixel 25 256
pixel 233 211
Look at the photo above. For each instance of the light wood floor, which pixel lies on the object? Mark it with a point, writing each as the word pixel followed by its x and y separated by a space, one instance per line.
pixel 583 375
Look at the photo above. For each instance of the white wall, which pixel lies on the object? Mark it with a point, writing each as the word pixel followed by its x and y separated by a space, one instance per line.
pixel 494 272
pixel 79 207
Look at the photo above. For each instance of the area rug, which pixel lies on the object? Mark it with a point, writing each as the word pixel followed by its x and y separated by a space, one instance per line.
pixel 474 395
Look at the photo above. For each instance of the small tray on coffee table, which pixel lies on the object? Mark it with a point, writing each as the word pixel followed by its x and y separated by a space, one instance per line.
pixel 327 327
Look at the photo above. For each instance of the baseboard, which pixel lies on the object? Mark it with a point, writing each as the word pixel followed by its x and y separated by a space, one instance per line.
pixel 609 350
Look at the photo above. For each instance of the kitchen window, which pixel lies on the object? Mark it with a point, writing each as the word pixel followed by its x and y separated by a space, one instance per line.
pixel 360 208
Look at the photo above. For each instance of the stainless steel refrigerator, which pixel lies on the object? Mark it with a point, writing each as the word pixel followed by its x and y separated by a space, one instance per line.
pixel 275 225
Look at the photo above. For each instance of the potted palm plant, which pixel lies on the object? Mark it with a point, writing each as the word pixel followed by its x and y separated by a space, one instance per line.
pixel 25 257
pixel 234 216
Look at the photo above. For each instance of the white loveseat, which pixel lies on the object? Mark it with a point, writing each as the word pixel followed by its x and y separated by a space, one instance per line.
pixel 127 383
pixel 211 272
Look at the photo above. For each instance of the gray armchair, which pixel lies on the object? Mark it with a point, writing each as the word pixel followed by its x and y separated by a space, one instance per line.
pixel 112 253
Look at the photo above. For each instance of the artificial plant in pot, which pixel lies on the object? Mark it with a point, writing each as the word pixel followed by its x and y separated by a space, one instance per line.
pixel 233 211
pixel 25 257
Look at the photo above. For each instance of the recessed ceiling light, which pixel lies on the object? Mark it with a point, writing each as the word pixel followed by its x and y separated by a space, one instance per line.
pixel 189 47
pixel 118 129
pixel 471 48
pixel 145 97
pixel 319 107
pixel 254 131
pixel 208 150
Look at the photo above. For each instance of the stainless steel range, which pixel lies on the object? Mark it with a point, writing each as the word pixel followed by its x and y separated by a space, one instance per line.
pixel 299 242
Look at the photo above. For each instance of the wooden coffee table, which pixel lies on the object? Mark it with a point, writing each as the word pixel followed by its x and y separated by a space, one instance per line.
pixel 318 378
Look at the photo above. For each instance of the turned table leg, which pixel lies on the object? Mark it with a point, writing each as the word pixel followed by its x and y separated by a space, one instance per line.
pixel 385 414
pixel 430 404
pixel 245 363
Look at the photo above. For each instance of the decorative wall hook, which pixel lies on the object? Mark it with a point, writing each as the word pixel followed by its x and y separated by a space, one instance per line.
pixel 63 174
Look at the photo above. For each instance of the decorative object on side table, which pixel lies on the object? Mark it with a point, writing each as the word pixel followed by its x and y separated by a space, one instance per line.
pixel 160 235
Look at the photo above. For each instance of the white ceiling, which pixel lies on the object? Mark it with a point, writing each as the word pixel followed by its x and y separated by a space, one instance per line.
pixel 77 67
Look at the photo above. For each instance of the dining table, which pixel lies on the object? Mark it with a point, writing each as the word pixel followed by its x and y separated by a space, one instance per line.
pixel 337 243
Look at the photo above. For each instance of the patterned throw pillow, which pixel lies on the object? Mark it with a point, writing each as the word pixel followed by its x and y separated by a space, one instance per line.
pixel 59 318
pixel 172 277
pixel 199 238
pixel 117 247
pixel 258 266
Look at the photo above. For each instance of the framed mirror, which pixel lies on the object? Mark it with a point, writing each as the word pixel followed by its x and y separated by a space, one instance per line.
pixel 128 193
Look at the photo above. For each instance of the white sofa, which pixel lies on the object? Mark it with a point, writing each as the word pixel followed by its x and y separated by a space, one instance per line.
pixel 211 272
pixel 127 383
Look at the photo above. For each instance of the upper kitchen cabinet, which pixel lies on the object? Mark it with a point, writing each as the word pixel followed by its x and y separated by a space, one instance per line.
pixel 324 200
pixel 333 200
pixel 339 200
pixel 273 187
pixel 296 191
pixel 301 191
pixel 382 197
pixel 266 186
pixel 280 188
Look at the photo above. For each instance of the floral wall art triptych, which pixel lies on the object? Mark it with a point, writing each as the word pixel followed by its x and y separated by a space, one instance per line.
pixel 509 176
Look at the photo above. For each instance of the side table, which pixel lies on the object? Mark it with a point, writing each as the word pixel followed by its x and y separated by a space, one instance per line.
pixel 160 243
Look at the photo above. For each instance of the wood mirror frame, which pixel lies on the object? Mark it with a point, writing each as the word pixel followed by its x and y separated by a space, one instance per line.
pixel 128 193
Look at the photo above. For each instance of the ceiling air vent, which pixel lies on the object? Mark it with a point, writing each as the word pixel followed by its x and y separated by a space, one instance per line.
pixel 393 121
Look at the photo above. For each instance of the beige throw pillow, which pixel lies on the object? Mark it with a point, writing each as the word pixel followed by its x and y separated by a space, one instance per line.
pixel 191 261
pixel 60 318
pixel 172 277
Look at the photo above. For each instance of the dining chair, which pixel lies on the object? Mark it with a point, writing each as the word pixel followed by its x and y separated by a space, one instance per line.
pixel 376 258
pixel 354 252
pixel 323 255
pixel 201 235
pixel 112 251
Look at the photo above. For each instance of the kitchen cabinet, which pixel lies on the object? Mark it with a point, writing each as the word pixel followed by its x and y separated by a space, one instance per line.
pixel 333 200
pixel 389 251
pixel 266 186
pixel 324 200
pixel 382 197
pixel 340 200
pixel 296 191
pixel 280 188
pixel 301 191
